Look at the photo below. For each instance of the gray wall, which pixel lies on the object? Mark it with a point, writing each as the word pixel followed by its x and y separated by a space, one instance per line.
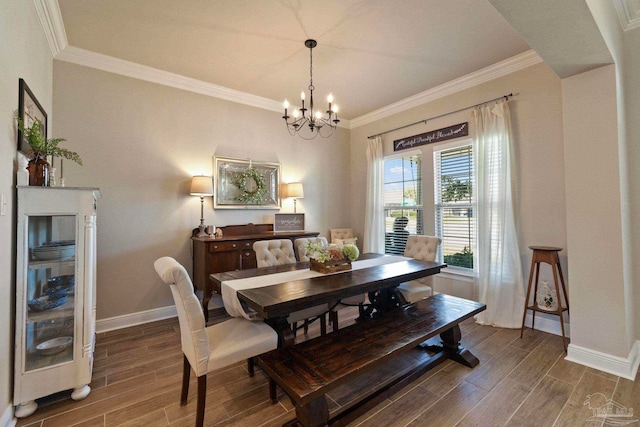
pixel 142 142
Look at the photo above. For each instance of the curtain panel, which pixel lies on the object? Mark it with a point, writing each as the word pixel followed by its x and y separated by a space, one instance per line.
pixel 374 209
pixel 499 274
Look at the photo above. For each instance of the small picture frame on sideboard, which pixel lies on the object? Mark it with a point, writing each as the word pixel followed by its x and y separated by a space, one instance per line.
pixel 288 222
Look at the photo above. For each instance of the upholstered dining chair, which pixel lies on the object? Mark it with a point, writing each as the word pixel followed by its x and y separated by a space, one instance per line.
pixel 424 248
pixel 341 236
pixel 279 252
pixel 210 348
pixel 300 246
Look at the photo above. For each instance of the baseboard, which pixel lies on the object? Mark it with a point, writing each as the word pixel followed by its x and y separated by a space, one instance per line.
pixel 620 366
pixel 127 320
pixel 141 317
pixel 548 324
pixel 7 419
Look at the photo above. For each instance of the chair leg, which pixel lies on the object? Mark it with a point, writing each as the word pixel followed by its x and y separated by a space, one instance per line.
pixel 186 372
pixel 294 326
pixel 323 324
pixel 250 366
pixel 306 326
pixel 202 395
pixel 333 316
pixel 272 391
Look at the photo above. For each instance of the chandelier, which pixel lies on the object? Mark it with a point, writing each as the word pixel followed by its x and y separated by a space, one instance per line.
pixel 314 120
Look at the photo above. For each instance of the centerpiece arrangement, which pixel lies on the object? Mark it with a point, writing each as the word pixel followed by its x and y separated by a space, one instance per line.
pixel 331 258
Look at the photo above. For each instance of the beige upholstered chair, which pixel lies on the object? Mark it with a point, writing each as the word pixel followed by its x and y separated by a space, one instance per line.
pixel 300 246
pixel 342 235
pixel 207 349
pixel 279 252
pixel 274 252
pixel 424 248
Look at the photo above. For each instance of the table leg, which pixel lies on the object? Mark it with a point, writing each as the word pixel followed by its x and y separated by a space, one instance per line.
pixel 451 347
pixel 383 300
pixel 286 337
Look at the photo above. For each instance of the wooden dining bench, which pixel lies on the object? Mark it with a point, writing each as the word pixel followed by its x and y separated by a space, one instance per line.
pixel 307 371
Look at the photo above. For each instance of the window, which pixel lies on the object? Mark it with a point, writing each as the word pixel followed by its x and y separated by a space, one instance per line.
pixel 455 205
pixel 402 201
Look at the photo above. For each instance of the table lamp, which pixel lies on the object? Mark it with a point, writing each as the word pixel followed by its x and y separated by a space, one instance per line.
pixel 202 186
pixel 294 189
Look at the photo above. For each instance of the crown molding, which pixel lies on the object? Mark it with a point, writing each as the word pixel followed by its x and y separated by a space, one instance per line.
pixel 502 68
pixel 628 13
pixel 110 64
pixel 51 20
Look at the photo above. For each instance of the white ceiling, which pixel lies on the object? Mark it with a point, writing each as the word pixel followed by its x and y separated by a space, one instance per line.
pixel 370 54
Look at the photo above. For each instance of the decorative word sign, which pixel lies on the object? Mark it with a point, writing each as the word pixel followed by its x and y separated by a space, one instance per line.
pixel 288 222
pixel 455 131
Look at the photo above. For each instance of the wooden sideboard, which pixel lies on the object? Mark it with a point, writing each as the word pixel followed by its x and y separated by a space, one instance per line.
pixel 232 251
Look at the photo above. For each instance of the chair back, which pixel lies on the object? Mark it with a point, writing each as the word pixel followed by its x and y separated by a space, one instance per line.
pixel 274 252
pixel 195 342
pixel 424 248
pixel 300 246
pixel 341 236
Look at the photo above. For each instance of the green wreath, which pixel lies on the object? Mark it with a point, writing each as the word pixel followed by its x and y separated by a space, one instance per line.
pixel 250 196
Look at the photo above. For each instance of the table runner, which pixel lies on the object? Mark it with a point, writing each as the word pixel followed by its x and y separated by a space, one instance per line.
pixel 235 308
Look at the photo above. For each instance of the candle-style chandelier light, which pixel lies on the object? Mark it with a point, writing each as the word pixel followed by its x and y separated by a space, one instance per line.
pixel 308 118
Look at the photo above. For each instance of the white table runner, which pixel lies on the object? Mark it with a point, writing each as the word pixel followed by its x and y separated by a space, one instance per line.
pixel 230 288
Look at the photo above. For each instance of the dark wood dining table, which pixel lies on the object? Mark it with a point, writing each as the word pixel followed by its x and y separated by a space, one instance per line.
pixel 275 302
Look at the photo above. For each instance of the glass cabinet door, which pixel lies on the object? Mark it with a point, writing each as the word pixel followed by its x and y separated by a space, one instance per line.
pixel 50 294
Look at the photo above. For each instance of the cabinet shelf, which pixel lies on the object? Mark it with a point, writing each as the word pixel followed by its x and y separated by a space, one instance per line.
pixel 65 310
pixel 37 361
pixel 66 262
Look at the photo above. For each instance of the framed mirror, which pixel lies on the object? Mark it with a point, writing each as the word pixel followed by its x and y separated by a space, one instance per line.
pixel 29 110
pixel 246 184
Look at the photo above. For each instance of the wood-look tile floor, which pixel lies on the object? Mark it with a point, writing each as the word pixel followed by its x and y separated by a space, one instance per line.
pixel 519 382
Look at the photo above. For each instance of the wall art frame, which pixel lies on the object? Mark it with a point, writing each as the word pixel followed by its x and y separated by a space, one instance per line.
pixel 29 110
pixel 288 222
pixel 246 184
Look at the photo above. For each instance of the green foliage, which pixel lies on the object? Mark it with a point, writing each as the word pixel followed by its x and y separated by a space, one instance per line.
pixel 455 190
pixel 254 196
pixel 460 259
pixel 40 146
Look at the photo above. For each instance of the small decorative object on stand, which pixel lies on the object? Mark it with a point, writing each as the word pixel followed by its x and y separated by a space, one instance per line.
pixel 547 299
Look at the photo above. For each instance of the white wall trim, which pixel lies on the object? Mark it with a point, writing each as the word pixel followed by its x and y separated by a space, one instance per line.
pixel 110 64
pixel 548 323
pixel 620 366
pixel 52 24
pixel 133 319
pixel 7 419
pixel 502 68
pixel 628 13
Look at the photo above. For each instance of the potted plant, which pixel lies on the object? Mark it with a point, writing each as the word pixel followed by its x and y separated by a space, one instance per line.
pixel 41 148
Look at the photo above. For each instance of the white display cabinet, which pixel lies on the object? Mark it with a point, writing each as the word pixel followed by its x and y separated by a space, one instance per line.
pixel 55 293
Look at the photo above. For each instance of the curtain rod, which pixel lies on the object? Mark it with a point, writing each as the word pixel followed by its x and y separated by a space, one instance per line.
pixel 441 115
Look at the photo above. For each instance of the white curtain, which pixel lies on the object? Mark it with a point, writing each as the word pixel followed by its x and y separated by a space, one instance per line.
pixel 374 215
pixel 500 282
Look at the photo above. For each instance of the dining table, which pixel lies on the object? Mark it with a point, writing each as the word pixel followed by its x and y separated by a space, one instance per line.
pixel 272 293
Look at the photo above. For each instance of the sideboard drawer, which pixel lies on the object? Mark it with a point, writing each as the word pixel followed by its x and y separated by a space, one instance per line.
pixel 224 246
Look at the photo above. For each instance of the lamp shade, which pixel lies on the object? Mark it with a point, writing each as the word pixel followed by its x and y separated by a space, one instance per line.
pixel 294 189
pixel 202 186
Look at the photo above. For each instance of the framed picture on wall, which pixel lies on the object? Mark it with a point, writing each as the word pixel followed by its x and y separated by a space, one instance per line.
pixel 29 110
pixel 246 184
